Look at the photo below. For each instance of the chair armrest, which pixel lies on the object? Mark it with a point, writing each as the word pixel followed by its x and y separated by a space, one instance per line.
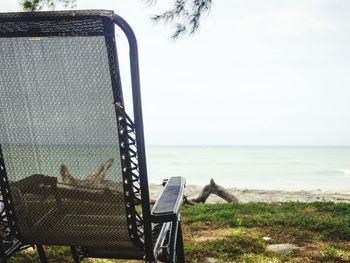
pixel 170 200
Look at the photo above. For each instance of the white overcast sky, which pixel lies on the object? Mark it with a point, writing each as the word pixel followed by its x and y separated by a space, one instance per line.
pixel 258 72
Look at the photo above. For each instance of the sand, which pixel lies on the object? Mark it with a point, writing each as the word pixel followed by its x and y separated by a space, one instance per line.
pixel 255 195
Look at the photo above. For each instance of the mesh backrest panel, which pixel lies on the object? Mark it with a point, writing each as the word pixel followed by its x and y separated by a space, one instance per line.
pixel 60 142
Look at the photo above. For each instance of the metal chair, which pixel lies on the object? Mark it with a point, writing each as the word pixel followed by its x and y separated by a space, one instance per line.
pixel 72 162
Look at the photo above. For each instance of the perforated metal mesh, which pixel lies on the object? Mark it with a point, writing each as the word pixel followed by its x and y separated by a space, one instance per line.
pixel 59 141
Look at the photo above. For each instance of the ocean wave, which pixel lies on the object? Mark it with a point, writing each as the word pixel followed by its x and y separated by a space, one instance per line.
pixel 345 171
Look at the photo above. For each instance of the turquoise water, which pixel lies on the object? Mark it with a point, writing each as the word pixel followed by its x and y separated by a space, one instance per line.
pixel 263 167
pixel 294 168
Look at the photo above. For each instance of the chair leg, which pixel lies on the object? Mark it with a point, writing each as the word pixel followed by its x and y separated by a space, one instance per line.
pixel 42 254
pixel 173 241
pixel 75 254
pixel 180 252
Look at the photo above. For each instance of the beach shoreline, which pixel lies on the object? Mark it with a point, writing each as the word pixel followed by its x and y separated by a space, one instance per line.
pixel 258 195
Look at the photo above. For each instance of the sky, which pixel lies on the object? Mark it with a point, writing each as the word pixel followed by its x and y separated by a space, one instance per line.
pixel 257 73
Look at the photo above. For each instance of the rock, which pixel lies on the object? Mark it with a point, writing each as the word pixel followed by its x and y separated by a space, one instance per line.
pixel 211 260
pixel 282 249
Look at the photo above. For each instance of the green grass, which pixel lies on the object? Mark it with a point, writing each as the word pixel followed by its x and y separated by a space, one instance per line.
pixel 234 233
pixel 325 220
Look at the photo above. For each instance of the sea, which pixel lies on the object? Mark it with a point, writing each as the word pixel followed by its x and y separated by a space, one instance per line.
pixel 254 167
pixel 251 167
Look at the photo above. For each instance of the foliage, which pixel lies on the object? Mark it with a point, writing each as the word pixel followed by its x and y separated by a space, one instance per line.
pixel 333 253
pixel 326 219
pixel 36 5
pixel 185 15
pixel 235 233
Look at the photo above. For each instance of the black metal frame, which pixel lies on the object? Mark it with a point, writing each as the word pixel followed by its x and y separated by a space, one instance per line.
pixel 9 235
pixel 141 153
pixel 171 228
pixel 131 176
pixel 166 211
pixel 132 147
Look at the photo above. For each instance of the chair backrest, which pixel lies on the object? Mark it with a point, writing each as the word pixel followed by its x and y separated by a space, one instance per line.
pixel 63 132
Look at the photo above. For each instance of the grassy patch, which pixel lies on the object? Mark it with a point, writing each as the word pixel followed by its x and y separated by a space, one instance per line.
pixel 326 220
pixel 55 253
pixel 237 233
pixel 229 247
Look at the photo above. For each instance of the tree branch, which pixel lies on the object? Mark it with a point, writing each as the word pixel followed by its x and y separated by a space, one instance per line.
pixel 36 5
pixel 185 15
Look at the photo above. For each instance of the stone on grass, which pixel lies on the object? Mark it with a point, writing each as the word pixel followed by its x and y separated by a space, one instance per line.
pixel 211 260
pixel 282 249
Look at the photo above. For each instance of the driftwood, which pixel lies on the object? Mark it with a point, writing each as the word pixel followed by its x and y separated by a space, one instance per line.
pixel 211 188
pixel 98 177
pixel 66 176
pixel 100 174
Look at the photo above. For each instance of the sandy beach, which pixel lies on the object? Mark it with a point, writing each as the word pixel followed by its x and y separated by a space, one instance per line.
pixel 256 195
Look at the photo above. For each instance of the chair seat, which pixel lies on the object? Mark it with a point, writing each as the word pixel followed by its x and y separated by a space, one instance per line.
pixel 85 230
pixel 73 216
